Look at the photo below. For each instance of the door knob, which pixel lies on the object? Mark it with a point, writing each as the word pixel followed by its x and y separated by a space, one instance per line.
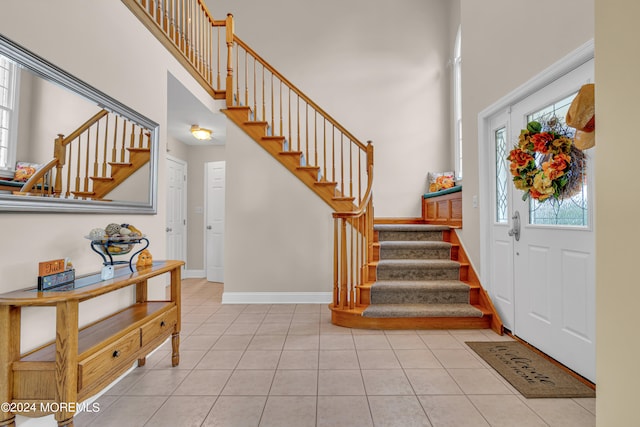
pixel 208 227
pixel 168 230
pixel 515 230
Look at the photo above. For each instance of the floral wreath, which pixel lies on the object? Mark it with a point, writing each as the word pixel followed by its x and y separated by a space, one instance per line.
pixel 545 163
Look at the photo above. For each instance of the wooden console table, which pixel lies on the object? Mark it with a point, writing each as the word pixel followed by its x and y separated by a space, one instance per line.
pixel 82 361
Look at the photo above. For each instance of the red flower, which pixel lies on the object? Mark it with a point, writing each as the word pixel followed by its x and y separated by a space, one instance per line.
pixel 519 158
pixel 534 194
pixel 540 141
pixel 554 168
pixel 561 161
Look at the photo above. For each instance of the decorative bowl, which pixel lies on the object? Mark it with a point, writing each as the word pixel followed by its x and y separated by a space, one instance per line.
pixel 115 245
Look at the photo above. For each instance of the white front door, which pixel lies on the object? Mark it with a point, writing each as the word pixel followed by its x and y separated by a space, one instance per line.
pixel 550 264
pixel 176 209
pixel 215 221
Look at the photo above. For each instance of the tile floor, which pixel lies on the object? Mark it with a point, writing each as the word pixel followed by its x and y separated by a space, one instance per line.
pixel 287 365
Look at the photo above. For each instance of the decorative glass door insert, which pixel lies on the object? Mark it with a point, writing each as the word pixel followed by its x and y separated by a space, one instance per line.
pixel 502 175
pixel 573 211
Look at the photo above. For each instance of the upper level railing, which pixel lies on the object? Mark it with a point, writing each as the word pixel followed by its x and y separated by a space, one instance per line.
pixel 189 32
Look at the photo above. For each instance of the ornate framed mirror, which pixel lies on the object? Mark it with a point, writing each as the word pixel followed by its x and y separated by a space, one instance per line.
pixel 65 146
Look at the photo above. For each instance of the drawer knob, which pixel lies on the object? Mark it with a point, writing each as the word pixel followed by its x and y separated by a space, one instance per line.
pixel 116 353
pixel 162 324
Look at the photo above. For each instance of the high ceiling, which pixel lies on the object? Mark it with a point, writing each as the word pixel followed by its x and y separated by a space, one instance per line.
pixel 184 110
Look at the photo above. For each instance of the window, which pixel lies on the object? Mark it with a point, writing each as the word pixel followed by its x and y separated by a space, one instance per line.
pixel 9 77
pixel 571 211
pixel 457 105
pixel 502 175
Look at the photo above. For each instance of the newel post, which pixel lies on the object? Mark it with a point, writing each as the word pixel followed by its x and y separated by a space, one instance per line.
pixel 336 263
pixel 60 154
pixel 229 82
pixel 344 263
pixel 369 216
pixel 369 157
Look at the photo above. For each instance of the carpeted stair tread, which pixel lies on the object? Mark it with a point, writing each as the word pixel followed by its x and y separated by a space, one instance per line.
pixel 417 269
pixel 421 310
pixel 416 277
pixel 410 232
pixel 420 292
pixel 418 285
pixel 415 244
pixel 415 249
pixel 410 227
pixel 419 263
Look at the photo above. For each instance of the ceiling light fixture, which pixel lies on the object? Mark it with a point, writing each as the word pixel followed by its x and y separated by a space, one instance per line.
pixel 199 133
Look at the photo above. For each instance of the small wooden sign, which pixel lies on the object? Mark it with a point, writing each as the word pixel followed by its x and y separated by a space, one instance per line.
pixel 54 266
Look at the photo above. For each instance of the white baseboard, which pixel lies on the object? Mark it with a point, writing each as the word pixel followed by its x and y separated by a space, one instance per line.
pixel 193 274
pixel 277 297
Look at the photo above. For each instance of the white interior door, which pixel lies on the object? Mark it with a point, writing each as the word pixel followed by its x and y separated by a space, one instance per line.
pixel 550 262
pixel 176 209
pixel 215 221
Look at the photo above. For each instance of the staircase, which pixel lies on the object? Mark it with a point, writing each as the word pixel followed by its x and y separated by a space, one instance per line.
pixel 416 276
pixel 423 279
pixel 419 279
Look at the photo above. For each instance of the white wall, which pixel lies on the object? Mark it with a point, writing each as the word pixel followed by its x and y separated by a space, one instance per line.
pixel 378 67
pixel 278 234
pixel 617 236
pixel 197 158
pixel 46 110
pixel 504 44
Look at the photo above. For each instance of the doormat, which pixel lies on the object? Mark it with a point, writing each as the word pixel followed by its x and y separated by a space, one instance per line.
pixel 531 374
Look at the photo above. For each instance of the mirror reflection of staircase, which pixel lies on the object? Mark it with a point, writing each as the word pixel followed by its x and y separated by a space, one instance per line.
pixel 93 160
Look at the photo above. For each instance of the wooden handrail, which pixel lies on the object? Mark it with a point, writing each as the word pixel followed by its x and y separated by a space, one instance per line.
pixel 327 149
pixel 368 192
pixel 299 92
pixel 40 176
pixel 76 133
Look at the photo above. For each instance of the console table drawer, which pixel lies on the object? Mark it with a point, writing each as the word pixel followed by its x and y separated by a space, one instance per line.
pixel 159 326
pixel 108 358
